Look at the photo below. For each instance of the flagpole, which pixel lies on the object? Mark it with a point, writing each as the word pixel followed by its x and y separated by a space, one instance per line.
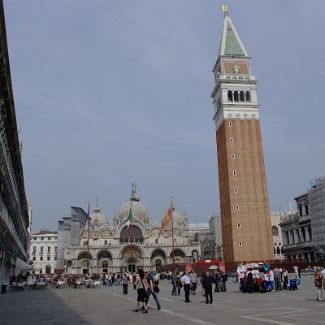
pixel 173 246
pixel 130 231
pixel 88 248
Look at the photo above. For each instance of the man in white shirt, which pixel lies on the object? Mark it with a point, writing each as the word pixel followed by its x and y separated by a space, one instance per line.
pixel 187 285
pixel 241 274
pixel 193 278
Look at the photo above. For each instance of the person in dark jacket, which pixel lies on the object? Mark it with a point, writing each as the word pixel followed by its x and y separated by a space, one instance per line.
pixel 249 281
pixel 223 281
pixel 217 281
pixel 207 282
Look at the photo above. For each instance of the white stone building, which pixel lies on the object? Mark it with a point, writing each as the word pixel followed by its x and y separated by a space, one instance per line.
pixel 43 251
pixel 117 247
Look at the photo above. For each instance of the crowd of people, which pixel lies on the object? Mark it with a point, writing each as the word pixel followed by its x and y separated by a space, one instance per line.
pixel 260 277
pixel 251 277
pixel 147 284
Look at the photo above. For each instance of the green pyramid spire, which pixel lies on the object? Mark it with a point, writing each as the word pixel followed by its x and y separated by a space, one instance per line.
pixel 231 45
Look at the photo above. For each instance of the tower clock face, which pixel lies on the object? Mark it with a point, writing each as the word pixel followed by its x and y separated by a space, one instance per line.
pixel 236 69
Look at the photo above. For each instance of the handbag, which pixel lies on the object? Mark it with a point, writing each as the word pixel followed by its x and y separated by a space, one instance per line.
pixel 318 283
pixel 156 289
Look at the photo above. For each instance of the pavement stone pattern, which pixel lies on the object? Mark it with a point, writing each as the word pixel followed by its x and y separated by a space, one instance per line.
pixel 107 305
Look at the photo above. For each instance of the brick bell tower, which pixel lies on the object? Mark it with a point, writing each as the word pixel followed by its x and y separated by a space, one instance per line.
pixel 244 204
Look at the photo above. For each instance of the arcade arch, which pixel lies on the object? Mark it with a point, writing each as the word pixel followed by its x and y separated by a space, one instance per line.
pixel 179 255
pixel 131 256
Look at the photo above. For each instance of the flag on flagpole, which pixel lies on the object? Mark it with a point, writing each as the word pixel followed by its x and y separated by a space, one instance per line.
pixel 168 216
pixel 130 217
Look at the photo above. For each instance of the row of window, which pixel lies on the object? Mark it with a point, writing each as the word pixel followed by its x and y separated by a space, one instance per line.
pixel 239 96
pixel 41 258
pixel 105 242
pixel 42 250
pixel 301 212
pixel 48 238
pixel 235 96
pixel 304 235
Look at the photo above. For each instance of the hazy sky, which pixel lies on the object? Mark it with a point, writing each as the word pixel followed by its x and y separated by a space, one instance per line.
pixel 110 92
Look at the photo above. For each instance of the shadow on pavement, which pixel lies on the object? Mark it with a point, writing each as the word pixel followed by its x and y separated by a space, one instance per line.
pixel 36 307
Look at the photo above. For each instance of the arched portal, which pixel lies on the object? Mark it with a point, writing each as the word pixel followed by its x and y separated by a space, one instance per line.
pixel 84 261
pixel 84 255
pixel 131 257
pixel 104 260
pixel 158 257
pixel 179 255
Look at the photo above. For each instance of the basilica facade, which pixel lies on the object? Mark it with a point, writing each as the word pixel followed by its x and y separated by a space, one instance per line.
pixel 126 244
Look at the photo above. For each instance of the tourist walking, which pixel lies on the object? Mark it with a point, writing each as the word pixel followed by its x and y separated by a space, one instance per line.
pixel 141 291
pixel 179 284
pixel 285 279
pixel 319 283
pixel 125 281
pixel 277 278
pixel 173 282
pixel 185 279
pixel 152 290
pixel 207 282
pixel 193 278
pixel 217 281
pixel 223 281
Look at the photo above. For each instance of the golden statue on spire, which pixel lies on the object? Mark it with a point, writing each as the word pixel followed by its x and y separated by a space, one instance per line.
pixel 225 8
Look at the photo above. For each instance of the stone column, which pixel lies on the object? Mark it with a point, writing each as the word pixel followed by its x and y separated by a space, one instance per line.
pixel 284 236
pixel 307 234
pixel 296 236
pixel 308 257
pixel 301 235
pixel 291 241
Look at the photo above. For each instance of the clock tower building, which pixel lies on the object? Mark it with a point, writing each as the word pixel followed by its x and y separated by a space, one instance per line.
pixel 244 205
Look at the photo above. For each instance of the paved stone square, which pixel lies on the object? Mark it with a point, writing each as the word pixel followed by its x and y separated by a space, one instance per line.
pixel 107 305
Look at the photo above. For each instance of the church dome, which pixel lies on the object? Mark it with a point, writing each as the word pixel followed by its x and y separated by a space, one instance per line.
pixel 179 220
pixel 97 218
pixel 139 211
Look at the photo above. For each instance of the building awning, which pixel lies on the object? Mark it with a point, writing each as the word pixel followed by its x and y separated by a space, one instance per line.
pixel 22 266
